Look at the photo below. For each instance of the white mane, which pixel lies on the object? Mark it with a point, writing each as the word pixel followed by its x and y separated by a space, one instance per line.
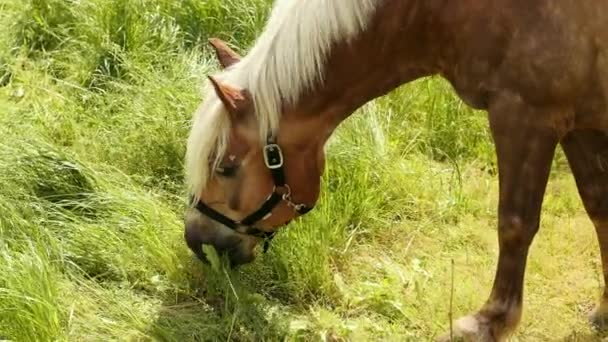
pixel 287 59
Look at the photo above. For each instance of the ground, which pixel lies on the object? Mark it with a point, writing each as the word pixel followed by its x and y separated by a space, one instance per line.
pixel 96 99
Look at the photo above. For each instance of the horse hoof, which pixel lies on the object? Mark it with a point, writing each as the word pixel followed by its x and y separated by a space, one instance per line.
pixel 468 329
pixel 598 319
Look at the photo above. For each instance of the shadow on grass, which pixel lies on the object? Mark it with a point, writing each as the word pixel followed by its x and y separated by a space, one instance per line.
pixel 219 304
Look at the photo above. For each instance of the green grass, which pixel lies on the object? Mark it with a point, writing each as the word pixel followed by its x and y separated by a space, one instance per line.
pixel 95 104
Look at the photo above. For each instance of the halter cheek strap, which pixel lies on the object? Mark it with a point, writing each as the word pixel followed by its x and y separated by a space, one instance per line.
pixel 273 158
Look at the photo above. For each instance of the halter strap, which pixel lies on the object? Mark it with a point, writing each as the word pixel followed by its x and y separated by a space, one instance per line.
pixel 273 158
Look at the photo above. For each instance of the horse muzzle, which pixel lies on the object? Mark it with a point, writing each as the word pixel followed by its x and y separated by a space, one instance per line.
pixel 201 230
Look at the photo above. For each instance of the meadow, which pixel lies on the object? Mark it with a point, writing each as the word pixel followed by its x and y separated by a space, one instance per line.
pixel 96 98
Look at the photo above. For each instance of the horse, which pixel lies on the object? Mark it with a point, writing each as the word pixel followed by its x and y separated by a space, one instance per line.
pixel 538 68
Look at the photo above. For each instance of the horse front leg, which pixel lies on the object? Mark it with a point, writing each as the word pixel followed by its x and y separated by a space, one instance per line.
pixel 587 153
pixel 525 147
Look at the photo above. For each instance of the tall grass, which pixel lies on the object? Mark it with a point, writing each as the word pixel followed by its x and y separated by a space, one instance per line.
pixel 95 104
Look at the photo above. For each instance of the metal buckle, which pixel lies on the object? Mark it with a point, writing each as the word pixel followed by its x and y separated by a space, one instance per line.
pixel 273 156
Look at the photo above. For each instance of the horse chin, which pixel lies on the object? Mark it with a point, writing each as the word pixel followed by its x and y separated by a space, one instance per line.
pixel 199 231
pixel 242 253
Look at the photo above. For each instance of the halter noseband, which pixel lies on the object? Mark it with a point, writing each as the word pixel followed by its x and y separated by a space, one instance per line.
pixel 273 158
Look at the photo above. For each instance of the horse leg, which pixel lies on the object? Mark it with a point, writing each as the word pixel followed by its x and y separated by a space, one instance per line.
pixel 525 147
pixel 587 153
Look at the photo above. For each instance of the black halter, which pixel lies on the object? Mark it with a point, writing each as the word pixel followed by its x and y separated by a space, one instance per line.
pixel 273 158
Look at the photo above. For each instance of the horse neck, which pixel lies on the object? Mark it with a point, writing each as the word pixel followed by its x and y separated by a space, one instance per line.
pixel 394 49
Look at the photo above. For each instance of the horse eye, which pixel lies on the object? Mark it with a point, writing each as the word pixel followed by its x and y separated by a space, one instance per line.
pixel 226 171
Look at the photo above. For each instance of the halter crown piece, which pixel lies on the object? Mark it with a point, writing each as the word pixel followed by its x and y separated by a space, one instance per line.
pixel 273 158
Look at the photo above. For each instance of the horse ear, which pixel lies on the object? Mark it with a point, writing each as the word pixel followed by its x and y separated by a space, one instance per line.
pixel 225 55
pixel 237 101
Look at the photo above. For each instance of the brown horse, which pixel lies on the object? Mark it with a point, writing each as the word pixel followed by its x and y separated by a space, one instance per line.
pixel 539 67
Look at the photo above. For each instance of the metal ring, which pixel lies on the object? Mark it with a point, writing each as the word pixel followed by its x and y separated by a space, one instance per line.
pixel 287 194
